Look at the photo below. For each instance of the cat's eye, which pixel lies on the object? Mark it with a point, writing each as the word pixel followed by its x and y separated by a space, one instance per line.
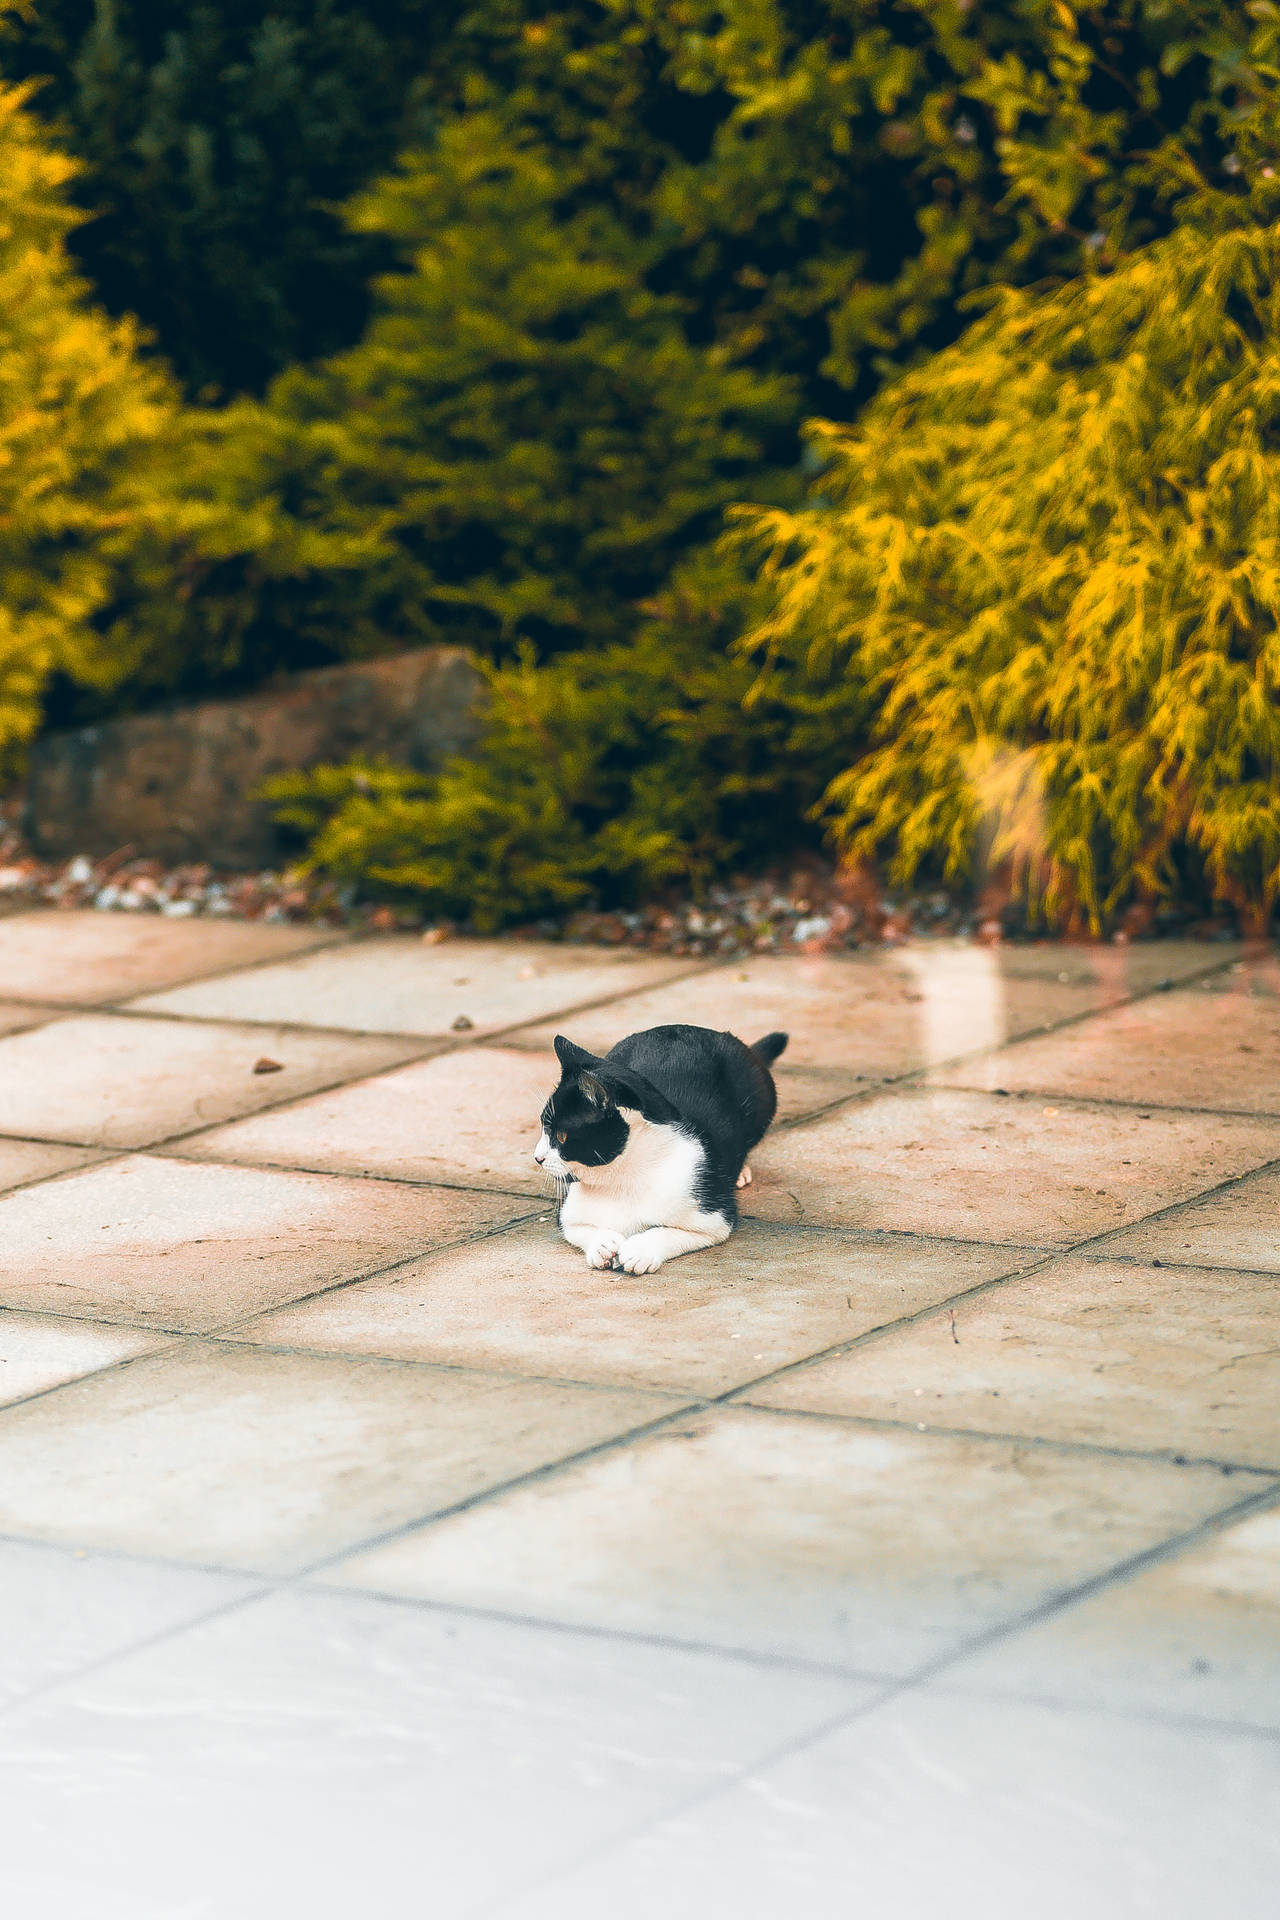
pixel 561 1137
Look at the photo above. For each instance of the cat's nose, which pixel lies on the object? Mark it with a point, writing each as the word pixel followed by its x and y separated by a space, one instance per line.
pixel 539 1155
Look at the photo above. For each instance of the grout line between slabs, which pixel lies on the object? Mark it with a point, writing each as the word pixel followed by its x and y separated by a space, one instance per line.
pixel 1033 1095
pixel 1046 1443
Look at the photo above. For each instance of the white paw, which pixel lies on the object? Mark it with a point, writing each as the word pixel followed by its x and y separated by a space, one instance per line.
pixel 642 1253
pixel 604 1249
pixel 744 1178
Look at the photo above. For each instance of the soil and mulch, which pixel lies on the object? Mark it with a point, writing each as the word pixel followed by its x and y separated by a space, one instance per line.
pixel 809 907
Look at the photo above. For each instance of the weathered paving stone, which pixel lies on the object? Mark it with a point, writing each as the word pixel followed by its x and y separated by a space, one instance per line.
pixel 399 984
pixel 1178 1360
pixel 1196 1634
pixel 153 1242
pixel 524 1301
pixel 468 1119
pixel 105 1080
pixel 227 1456
pixel 1237 1227
pixel 88 959
pixel 872 1550
pixel 981 1168
pixel 1213 1045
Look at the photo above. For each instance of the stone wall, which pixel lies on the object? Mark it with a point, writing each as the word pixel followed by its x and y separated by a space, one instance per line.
pixel 176 785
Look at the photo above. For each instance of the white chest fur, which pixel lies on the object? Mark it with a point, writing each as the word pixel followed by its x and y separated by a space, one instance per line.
pixel 651 1183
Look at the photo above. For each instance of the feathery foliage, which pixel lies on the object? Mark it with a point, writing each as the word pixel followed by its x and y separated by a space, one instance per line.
pixel 1051 558
pixel 522 446
pixel 77 411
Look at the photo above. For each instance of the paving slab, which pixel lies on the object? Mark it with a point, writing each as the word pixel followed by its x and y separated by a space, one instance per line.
pixel 979 1810
pixel 26 1160
pixel 469 1118
pixel 62 1609
pixel 161 1243
pixel 396 984
pixel 526 1302
pixel 1197 1634
pixel 1238 1227
pixel 1214 1045
pixel 1179 1360
pixel 247 1460
pixel 80 957
pixel 974 1166
pixel 872 1550
pixel 37 1353
pixel 329 1755
pixel 106 1080
pixel 888 1012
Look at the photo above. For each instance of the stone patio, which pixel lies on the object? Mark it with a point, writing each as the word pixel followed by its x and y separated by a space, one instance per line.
pixel 364 1553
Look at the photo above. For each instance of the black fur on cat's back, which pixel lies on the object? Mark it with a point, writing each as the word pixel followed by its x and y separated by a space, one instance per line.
pixel 721 1091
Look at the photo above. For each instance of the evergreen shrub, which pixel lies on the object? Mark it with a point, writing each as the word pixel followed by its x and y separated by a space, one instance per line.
pixel 78 410
pixel 602 775
pixel 1050 559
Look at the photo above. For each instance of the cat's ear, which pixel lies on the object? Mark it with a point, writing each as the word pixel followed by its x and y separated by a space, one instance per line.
pixel 570 1055
pixel 594 1092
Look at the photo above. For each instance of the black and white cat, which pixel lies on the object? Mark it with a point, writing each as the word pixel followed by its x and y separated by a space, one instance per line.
pixel 653 1138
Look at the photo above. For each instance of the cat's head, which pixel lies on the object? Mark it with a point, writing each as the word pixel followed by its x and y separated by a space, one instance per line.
pixel 582 1123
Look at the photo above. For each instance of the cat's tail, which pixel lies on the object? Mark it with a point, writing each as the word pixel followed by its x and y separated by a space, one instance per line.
pixel 768 1049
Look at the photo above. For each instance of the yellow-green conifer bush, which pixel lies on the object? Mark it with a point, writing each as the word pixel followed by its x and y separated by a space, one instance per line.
pixel 77 407
pixel 1050 558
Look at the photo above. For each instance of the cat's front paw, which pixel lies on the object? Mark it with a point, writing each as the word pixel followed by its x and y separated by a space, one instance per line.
pixel 603 1251
pixel 643 1252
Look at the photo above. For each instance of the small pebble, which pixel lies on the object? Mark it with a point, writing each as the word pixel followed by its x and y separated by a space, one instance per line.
pixel 268 1066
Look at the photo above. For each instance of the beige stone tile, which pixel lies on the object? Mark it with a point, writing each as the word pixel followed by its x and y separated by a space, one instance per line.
pixel 876 1550
pixel 25 1160
pixel 110 1081
pixel 470 1117
pixel 527 1302
pixel 1156 1358
pixel 889 1011
pixel 232 1457
pixel 937 1803
pixel 803 1090
pixel 326 1755
pixel 36 1353
pixel 981 1168
pixel 62 1610
pixel 163 1243
pixel 86 957
pixel 1216 1044
pixel 396 984
pixel 1198 1633
pixel 1239 1227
